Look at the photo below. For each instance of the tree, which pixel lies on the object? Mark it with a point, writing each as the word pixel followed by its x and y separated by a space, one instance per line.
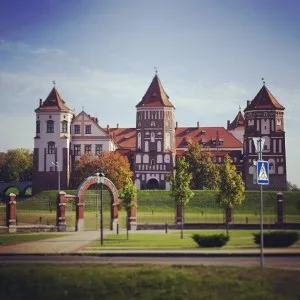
pixel 180 183
pixel 292 187
pixel 205 173
pixel 231 188
pixel 18 165
pixel 128 194
pixel 114 166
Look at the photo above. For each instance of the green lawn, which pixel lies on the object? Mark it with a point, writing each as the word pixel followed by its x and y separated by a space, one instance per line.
pixel 172 240
pixel 146 282
pixel 15 238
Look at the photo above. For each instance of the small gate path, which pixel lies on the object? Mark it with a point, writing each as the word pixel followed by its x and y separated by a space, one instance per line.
pixel 69 243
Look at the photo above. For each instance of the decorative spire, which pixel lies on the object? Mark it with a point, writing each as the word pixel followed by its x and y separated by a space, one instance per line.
pixel 156 71
pixel 263 80
pixel 239 108
pixel 53 83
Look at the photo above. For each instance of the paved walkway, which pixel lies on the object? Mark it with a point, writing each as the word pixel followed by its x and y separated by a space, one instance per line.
pixel 78 242
pixel 70 243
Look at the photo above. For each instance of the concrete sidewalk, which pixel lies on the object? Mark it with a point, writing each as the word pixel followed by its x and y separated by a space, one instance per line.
pixel 56 245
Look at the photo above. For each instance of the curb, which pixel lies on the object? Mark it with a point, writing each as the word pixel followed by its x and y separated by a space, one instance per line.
pixel 152 254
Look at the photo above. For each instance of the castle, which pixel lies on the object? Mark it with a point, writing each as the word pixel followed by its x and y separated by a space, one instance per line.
pixel 154 143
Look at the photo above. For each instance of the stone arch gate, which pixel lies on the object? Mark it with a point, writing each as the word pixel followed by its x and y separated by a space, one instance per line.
pixel 79 198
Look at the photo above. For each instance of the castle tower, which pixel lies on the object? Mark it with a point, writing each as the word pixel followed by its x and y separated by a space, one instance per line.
pixel 155 138
pixel 264 118
pixel 237 126
pixel 51 144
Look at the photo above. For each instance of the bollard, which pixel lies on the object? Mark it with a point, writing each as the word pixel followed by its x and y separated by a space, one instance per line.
pixel 166 228
pixel 117 228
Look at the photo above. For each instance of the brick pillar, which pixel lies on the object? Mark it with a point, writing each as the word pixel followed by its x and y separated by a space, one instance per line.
pixel 131 215
pixel 280 209
pixel 178 218
pixel 79 216
pixel 11 213
pixel 61 212
pixel 114 215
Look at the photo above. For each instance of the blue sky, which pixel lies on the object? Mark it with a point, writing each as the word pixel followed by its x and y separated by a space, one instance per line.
pixel 210 55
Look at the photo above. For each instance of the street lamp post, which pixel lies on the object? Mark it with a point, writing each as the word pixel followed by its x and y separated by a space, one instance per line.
pixel 101 177
pixel 58 171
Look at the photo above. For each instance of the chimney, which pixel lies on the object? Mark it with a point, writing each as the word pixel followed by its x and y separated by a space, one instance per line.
pixel 248 102
pixel 41 102
pixel 197 124
pixel 107 128
pixel 228 123
pixel 176 125
pixel 117 126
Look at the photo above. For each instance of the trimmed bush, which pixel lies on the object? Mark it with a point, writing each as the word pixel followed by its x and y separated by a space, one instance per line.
pixel 215 240
pixel 277 238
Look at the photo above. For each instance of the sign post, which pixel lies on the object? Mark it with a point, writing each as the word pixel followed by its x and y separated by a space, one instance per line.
pixel 262 175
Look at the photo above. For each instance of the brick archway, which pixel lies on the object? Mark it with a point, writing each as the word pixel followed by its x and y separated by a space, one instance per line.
pixel 80 197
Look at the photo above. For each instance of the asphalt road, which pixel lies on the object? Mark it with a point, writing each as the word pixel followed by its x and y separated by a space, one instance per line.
pixel 283 262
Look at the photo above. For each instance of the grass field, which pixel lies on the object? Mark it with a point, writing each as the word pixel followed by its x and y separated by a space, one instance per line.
pixel 172 240
pixel 146 282
pixel 8 239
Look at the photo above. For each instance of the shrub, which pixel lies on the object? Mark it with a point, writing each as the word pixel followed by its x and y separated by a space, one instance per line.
pixel 277 238
pixel 215 240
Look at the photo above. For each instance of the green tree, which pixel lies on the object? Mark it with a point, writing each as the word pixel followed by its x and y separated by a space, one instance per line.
pixel 180 183
pixel 115 166
pixel 18 164
pixel 128 194
pixel 231 188
pixel 205 173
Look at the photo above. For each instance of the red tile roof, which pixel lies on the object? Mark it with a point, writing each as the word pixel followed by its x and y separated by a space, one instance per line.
pixel 53 102
pixel 213 137
pixel 239 121
pixel 264 100
pixel 155 95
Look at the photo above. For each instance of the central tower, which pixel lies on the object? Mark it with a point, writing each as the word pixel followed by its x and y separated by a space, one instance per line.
pixel 155 138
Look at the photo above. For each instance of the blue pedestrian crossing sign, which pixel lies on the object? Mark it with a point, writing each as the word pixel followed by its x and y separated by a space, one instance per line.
pixel 262 172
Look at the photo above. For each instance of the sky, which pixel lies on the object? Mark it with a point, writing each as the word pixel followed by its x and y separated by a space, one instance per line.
pixel 210 55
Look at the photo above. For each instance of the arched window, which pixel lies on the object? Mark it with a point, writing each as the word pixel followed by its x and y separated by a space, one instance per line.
pixel 51 148
pixel 50 126
pixel 167 158
pixel 38 126
pixel 266 144
pixel 272 169
pixel 146 159
pixel 146 146
pixel 152 162
pixel 138 159
pixel 152 123
pixel 168 141
pixel 152 137
pixel 159 159
pixel 158 146
pixel 139 140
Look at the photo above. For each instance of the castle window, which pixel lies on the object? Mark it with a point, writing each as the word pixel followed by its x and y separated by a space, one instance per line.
pixel 152 137
pixel 152 124
pixel 76 129
pixel 278 122
pixel 50 126
pixel 51 148
pixel 152 162
pixel 271 166
pixel 87 148
pixel 38 126
pixel 88 129
pixel 98 149
pixel 64 126
pixel 77 150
